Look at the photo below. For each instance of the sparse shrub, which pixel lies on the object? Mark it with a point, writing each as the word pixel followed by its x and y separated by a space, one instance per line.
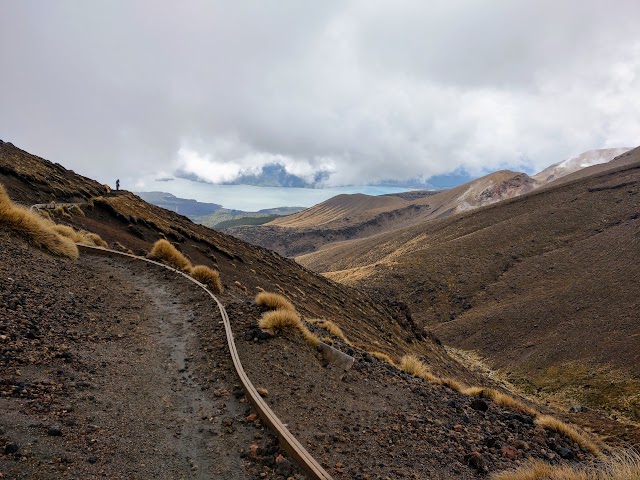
pixel 280 320
pixel 582 439
pixel 620 467
pixel 240 285
pixel 163 250
pixel 35 228
pixel 274 301
pixel 209 277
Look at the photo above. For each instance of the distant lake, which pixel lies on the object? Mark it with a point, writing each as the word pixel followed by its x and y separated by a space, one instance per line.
pixel 250 198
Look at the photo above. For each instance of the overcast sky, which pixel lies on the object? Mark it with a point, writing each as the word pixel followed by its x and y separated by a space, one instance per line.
pixel 368 89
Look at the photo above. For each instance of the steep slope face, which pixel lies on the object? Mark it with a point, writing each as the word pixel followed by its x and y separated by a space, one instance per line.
pixel 126 222
pixel 109 353
pixel 349 217
pixel 546 286
pixel 340 210
pixel 574 164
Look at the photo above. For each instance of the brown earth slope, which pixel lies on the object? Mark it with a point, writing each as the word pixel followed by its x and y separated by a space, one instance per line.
pixel 105 363
pixel 544 286
pixel 126 222
pixel 349 217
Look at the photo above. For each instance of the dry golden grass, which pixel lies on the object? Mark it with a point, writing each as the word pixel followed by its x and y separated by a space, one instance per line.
pixel 581 438
pixel 278 320
pixel 452 383
pixel 308 336
pixel 81 236
pixel 283 318
pixel 620 467
pixel 501 399
pixel 70 233
pixel 76 209
pixel 382 356
pixel 274 301
pixel 332 328
pixel 413 365
pixel 164 250
pixel 96 239
pixel 34 227
pixel 63 211
pixel 211 278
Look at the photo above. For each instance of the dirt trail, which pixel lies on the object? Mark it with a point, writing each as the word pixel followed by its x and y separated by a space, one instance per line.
pixel 127 376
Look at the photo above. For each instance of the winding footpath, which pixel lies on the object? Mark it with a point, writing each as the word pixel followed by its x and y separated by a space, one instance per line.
pixel 288 442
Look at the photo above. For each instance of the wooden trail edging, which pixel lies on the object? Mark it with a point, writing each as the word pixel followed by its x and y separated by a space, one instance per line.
pixel 288 442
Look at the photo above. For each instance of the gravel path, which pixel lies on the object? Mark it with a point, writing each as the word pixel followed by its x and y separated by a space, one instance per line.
pixel 116 369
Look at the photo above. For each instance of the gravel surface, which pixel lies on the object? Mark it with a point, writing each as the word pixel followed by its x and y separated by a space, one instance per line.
pixel 113 368
pixel 376 422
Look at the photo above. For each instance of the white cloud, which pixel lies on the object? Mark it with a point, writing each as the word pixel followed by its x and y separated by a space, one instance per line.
pixel 368 90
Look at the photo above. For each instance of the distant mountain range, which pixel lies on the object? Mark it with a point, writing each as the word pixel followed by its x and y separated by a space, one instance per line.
pixel 213 215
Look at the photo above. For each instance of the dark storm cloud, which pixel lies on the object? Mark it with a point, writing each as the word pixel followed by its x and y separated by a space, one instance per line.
pixel 368 90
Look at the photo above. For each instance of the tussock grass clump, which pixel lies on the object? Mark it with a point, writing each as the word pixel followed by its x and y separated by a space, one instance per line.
pixel 501 399
pixel 76 209
pixel 308 335
pixel 382 356
pixel 70 233
pixel 211 278
pixel 413 365
pixel 452 383
pixel 332 328
pixel 582 439
pixel 35 228
pixel 620 467
pixel 96 239
pixel 274 301
pixel 81 236
pixel 279 320
pixel 283 316
pixel 164 250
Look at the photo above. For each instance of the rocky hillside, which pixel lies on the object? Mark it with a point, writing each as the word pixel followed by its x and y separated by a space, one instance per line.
pixel 574 164
pixel 352 217
pixel 349 217
pixel 127 222
pixel 113 368
pixel 545 286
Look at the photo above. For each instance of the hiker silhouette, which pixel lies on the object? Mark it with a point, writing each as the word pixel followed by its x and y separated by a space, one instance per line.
pixel 117 184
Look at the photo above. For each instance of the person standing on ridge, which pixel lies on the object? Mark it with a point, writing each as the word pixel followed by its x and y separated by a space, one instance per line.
pixel 117 185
